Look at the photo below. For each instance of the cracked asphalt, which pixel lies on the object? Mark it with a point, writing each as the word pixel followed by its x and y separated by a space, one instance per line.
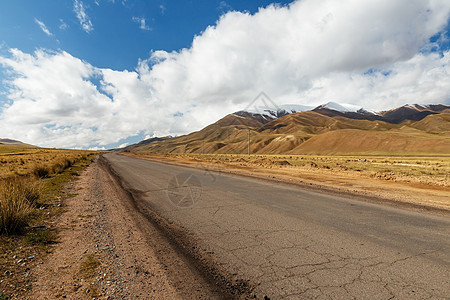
pixel 291 243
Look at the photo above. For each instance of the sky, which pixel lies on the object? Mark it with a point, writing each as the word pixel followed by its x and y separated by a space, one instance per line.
pixel 99 74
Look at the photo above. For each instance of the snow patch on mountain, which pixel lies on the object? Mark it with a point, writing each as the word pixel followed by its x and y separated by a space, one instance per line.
pixel 278 111
pixel 342 107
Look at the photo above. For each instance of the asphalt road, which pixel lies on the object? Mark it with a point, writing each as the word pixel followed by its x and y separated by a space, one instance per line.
pixel 291 243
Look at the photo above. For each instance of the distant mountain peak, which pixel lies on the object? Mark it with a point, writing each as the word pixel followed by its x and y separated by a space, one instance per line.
pixel 342 107
pixel 270 113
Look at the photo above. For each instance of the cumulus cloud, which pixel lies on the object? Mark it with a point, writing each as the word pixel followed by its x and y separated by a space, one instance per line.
pixel 142 23
pixel 83 18
pixel 43 27
pixel 368 53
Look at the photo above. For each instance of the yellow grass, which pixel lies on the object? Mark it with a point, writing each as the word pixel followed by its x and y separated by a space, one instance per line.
pixel 15 160
pixel 21 171
pixel 16 201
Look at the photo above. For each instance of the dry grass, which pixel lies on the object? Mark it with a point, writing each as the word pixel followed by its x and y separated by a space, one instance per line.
pixel 88 267
pixel 40 162
pixel 21 170
pixel 29 197
pixel 14 210
pixel 18 196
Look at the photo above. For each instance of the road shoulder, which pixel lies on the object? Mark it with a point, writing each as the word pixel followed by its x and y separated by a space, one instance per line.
pixel 97 229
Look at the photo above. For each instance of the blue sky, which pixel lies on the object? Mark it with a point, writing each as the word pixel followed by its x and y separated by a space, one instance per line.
pixel 116 40
pixel 99 74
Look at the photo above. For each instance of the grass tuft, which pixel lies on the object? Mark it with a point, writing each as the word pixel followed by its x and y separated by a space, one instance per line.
pixel 41 172
pixel 42 237
pixel 18 196
pixel 89 266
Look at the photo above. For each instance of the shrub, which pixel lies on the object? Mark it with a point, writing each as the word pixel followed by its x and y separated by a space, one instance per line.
pixel 16 199
pixel 41 172
pixel 61 165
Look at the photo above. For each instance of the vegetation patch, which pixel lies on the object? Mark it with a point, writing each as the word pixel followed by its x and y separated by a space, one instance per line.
pixel 32 193
pixel 88 267
pixel 41 237
pixel 18 197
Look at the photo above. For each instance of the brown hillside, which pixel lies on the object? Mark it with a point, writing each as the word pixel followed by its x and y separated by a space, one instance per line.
pixel 10 142
pixel 438 124
pixel 312 132
pixel 311 122
pixel 353 141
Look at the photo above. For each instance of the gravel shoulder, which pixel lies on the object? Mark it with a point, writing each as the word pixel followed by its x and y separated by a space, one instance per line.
pixel 134 258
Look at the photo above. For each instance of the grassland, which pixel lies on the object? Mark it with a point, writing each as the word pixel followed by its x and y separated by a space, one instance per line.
pixel 32 194
pixel 20 161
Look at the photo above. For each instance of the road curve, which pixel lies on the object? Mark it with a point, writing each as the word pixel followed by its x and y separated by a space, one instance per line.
pixel 290 243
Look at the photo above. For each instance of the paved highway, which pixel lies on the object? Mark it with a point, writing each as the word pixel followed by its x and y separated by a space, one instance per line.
pixel 292 243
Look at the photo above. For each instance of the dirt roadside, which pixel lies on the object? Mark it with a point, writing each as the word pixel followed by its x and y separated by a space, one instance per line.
pixel 409 195
pixel 135 260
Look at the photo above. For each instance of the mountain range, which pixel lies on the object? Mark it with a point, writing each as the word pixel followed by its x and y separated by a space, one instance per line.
pixel 331 128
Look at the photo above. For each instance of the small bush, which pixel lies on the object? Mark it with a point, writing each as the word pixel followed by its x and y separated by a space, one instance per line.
pixel 57 168
pixel 24 187
pixel 41 172
pixel 16 199
pixel 61 165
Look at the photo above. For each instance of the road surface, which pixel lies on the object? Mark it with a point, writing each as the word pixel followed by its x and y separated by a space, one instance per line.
pixel 291 243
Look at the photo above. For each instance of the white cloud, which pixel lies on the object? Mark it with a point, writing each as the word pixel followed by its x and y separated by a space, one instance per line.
pixel 141 22
pixel 309 52
pixel 62 25
pixel 83 18
pixel 43 27
pixel 97 149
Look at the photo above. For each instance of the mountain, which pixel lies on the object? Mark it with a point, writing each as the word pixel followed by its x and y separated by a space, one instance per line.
pixel 266 114
pixel 333 109
pixel 341 107
pixel 414 112
pixel 331 128
pixel 10 142
pixel 141 143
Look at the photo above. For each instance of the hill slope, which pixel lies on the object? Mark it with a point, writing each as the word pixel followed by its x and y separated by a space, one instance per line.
pixel 320 131
pixel 10 142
